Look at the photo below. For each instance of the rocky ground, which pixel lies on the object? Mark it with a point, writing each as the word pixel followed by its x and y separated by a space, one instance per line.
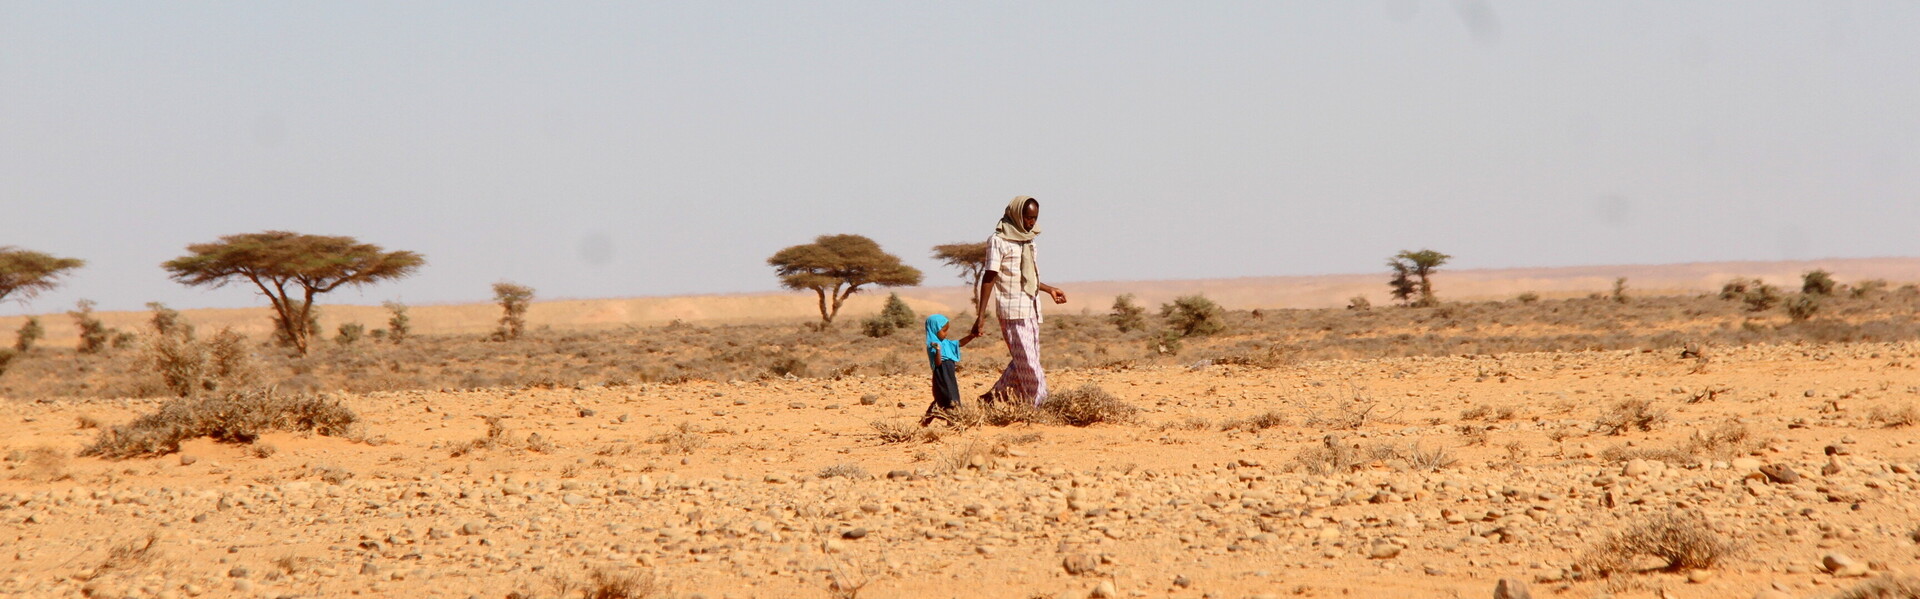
pixel 1391 477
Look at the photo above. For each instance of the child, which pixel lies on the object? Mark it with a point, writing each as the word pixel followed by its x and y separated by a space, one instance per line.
pixel 943 354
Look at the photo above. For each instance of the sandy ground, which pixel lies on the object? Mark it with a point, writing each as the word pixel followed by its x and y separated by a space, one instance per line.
pixel 717 489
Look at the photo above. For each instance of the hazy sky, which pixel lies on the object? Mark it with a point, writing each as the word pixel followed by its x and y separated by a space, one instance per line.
pixel 650 148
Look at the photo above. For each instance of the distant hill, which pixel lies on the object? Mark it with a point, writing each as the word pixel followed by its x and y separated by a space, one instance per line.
pixel 1093 297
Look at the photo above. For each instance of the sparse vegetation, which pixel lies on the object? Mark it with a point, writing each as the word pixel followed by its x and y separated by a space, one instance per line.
pixel 280 264
pixel 514 299
pixel 1628 415
pixel 1891 586
pixel 1126 315
pixel 1679 540
pixel 1619 294
pixel 845 470
pixel 1258 422
pixel 895 315
pixel 1412 281
pixel 25 273
pixel 1528 297
pixel 834 267
pixel 236 417
pixel 399 325
pixel 1817 282
pixel 29 334
pixel 1803 307
pixel 1194 316
pixel 94 335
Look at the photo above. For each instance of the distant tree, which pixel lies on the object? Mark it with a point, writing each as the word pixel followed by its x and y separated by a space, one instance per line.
pixel 94 335
pixel 399 326
pixel 970 258
pixel 834 267
pixel 1817 282
pixel 26 273
pixel 1414 271
pixel 1737 288
pixel 290 269
pixel 1620 290
pixel 514 300
pixel 1127 315
pixel 30 333
pixel 1761 297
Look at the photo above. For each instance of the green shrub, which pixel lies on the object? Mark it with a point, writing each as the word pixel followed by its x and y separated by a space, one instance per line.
pixel 399 326
pixel 514 299
pixel 896 313
pixel 350 333
pixel 1817 282
pixel 1803 307
pixel 1761 297
pixel 167 321
pixel 1127 315
pixel 30 333
pixel 1194 316
pixel 94 335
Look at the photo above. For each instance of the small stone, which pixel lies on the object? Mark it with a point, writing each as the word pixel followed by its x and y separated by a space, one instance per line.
pixel 869 399
pixel 1104 590
pixel 1509 588
pixel 1699 576
pixel 188 460
pixel 1771 594
pixel 243 586
pixel 797 405
pixel 1080 563
pixel 1384 550
pixel 857 533
pixel 586 412
pixel 572 499
pixel 1182 581
pixel 1780 474
pixel 198 518
pixel 369 569
pixel 238 572
pixel 473 528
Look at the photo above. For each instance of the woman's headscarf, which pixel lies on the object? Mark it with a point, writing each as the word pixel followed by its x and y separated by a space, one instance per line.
pixel 947 349
pixel 1011 228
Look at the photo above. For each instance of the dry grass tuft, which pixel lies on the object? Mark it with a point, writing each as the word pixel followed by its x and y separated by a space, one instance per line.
pixel 607 584
pixel 845 470
pixel 1884 587
pixel 684 439
pixel 1258 422
pixel 128 556
pixel 1903 417
pixel 1331 456
pixel 239 417
pixel 1629 415
pixel 894 431
pixel 1414 456
pixel 1679 540
pixel 1088 405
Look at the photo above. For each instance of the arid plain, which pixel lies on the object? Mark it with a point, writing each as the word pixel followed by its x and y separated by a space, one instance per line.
pixel 1665 443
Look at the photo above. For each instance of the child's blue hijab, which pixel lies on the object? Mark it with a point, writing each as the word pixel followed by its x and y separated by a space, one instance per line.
pixel 948 349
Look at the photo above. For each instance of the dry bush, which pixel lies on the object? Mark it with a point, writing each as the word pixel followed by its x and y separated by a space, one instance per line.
pixel 1885 587
pixel 1628 415
pixel 1672 455
pixel 998 413
pixel 188 367
pixel 1020 439
pixel 128 556
pixel 1258 422
pixel 1088 405
pixel 892 431
pixel 1904 416
pixel 684 439
pixel 1351 413
pixel 1730 439
pixel 607 584
pixel 1330 457
pixel 236 417
pixel 1191 423
pixel 1415 456
pixel 497 438
pixel 845 470
pixel 974 454
pixel 1488 413
pixel 262 450
pixel 1680 540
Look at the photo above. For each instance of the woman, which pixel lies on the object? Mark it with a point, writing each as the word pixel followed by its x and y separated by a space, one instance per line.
pixel 1012 282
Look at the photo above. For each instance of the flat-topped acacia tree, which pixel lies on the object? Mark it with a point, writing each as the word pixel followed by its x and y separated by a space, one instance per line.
pixel 26 273
pixel 290 268
pixel 834 267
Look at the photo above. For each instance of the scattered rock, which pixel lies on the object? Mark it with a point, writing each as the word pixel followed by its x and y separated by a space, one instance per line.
pixel 188 459
pixel 1104 590
pixel 1079 564
pixel 1509 588
pixel 1780 474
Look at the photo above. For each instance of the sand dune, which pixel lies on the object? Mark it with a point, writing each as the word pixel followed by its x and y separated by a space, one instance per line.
pixel 1321 291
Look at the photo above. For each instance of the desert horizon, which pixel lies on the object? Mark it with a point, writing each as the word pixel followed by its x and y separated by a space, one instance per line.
pixel 1089 297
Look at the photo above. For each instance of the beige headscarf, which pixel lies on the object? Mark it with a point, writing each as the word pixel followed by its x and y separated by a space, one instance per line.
pixel 1010 229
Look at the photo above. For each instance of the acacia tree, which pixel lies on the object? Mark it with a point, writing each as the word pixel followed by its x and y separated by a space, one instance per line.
pixel 834 267
pixel 290 269
pixel 27 272
pixel 970 258
pixel 1413 271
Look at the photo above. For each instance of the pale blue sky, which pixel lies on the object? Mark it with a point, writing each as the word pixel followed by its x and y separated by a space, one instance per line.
pixel 650 148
